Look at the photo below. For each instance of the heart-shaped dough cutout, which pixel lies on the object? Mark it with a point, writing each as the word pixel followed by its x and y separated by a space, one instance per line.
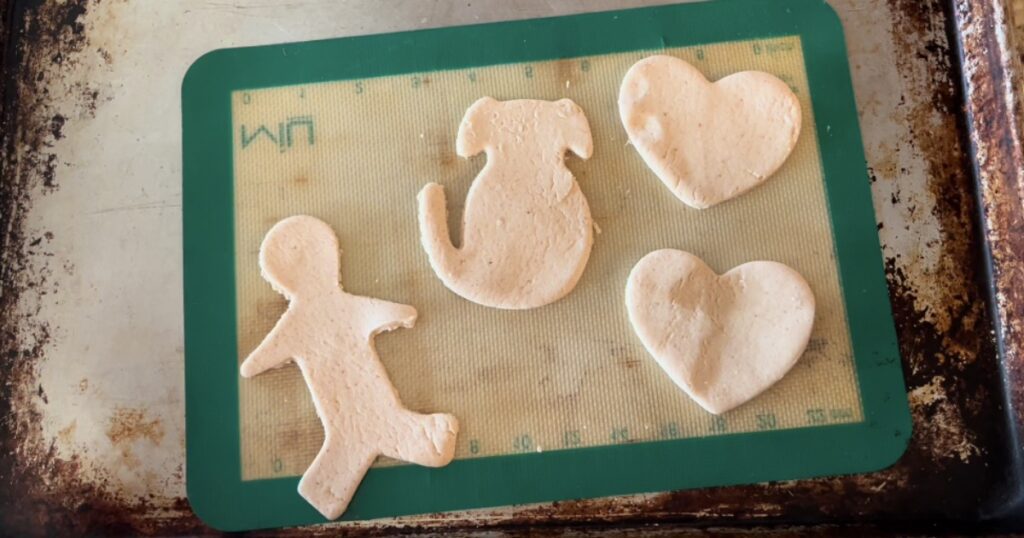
pixel 722 339
pixel 708 142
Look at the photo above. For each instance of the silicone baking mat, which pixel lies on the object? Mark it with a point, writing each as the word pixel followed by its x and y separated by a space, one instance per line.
pixel 349 130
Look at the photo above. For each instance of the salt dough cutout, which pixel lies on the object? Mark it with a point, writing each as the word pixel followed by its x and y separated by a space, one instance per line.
pixel 526 228
pixel 329 334
pixel 708 142
pixel 722 339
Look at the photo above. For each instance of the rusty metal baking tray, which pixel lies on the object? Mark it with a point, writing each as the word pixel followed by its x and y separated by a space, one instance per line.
pixel 91 413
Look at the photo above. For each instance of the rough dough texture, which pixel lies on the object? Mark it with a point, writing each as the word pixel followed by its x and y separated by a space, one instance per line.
pixel 708 142
pixel 329 334
pixel 722 339
pixel 526 228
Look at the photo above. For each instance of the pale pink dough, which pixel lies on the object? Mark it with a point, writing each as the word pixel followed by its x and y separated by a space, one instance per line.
pixel 708 142
pixel 722 339
pixel 329 334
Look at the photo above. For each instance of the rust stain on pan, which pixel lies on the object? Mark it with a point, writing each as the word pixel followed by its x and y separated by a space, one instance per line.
pixel 945 340
pixel 992 70
pixel 128 426
pixel 40 492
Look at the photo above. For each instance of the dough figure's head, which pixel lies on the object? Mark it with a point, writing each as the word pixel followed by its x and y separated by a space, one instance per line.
pixel 517 125
pixel 299 257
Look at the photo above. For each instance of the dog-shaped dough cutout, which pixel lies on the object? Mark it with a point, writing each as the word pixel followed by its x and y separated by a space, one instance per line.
pixel 526 228
pixel 329 334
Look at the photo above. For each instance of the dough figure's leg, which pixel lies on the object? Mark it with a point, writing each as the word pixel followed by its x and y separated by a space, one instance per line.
pixel 334 475
pixel 431 438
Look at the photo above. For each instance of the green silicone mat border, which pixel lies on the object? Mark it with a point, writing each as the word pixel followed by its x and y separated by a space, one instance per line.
pixel 223 500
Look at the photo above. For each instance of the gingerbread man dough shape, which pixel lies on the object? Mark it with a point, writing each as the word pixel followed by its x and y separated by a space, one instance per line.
pixel 526 228
pixel 708 142
pixel 329 334
pixel 722 339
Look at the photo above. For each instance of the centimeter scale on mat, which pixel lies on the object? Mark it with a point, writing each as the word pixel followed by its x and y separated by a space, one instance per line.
pixel 571 375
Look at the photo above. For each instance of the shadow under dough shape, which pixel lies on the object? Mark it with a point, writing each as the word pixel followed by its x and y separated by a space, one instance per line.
pixel 722 339
pixel 708 142
pixel 526 228
pixel 329 334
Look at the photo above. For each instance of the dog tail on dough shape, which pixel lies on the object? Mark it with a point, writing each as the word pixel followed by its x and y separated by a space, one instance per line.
pixel 434 234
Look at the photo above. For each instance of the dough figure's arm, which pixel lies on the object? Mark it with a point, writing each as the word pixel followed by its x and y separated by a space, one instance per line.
pixel 385 316
pixel 272 352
